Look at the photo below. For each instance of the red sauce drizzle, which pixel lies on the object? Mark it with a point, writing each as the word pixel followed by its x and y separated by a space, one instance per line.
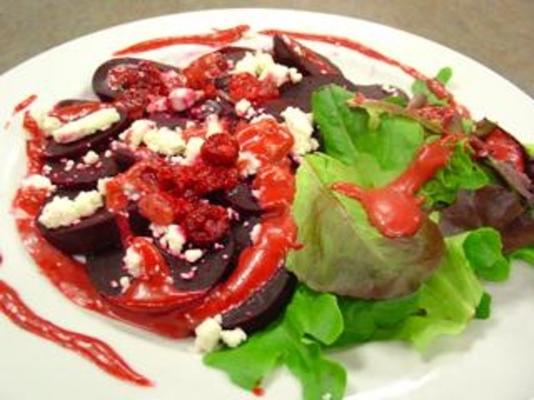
pixel 76 110
pixel 503 147
pixel 434 85
pixel 34 145
pixel 24 104
pixel 394 209
pixel 258 391
pixel 91 348
pixel 218 38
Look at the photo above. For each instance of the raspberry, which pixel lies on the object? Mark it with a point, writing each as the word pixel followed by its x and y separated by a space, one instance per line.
pixel 220 149
pixel 157 208
pixel 206 224
pixel 247 86
pixel 209 178
pixel 201 73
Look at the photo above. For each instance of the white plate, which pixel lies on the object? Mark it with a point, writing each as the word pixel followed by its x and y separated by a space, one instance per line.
pixel 492 360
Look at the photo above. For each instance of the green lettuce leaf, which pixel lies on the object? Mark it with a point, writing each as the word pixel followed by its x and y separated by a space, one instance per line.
pixel 483 249
pixel 524 254
pixel 461 172
pixel 343 253
pixel 310 321
pixel 447 301
pixel 420 87
pixel 381 148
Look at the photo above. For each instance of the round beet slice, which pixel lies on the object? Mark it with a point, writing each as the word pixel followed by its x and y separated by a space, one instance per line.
pixel 234 53
pixel 241 232
pixel 242 200
pixel 169 120
pixel 105 269
pixel 202 274
pixel 100 77
pixel 97 141
pixel 84 177
pixel 291 53
pixel 94 233
pixel 264 305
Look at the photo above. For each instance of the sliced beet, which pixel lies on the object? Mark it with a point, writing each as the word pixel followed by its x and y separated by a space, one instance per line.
pixel 203 274
pixel 242 199
pixel 82 178
pixel 241 232
pixel 264 305
pixel 100 81
pixel 234 53
pixel 97 141
pixel 169 120
pixel 94 233
pixel 299 95
pixel 293 54
pixel 105 269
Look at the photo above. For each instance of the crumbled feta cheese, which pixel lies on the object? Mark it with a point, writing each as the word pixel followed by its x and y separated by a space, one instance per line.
pixel 192 150
pixel 101 185
pixel 69 165
pixel 133 262
pixel 193 255
pixel 262 65
pixel 91 157
pixel 135 133
pixel 208 334
pixel 62 211
pixel 38 182
pixel 261 117
pixel 173 239
pixel 164 141
pixel 88 125
pixel 234 337
pixel 242 107
pixel 249 163
pixel 182 98
pixel 124 283
pixel 213 126
pixel 255 233
pixel 82 259
pixel 300 126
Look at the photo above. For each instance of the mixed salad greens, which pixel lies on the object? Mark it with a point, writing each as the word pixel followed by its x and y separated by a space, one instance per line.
pixel 470 237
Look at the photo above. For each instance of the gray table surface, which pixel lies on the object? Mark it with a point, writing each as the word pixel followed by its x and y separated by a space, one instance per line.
pixel 498 33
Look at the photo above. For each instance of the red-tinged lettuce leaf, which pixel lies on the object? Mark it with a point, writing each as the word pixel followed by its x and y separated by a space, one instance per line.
pixel 491 206
pixel 420 87
pixel 342 253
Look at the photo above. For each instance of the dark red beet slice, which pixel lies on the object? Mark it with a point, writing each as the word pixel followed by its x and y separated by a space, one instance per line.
pixel 291 53
pixel 241 232
pixel 204 273
pixel 100 82
pixel 169 120
pixel 91 234
pixel 241 199
pixel 82 178
pixel 105 270
pixel 98 141
pixel 234 53
pixel 264 305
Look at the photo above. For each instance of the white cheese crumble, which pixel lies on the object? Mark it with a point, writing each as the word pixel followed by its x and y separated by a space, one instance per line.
pixel 233 337
pixel 249 163
pixel 261 117
pixel 213 126
pixel 192 150
pixel 62 211
pixel 164 141
pixel 173 239
pixel 91 157
pixel 193 255
pixel 133 262
pixel 300 126
pixel 133 136
pixel 255 233
pixel 38 182
pixel 88 125
pixel 101 185
pixel 242 107
pixel 262 65
pixel 182 98
pixel 210 332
